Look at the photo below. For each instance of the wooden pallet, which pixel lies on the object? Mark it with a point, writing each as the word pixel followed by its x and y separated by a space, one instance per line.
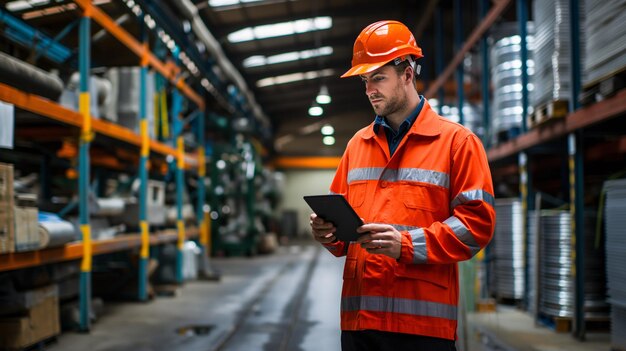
pixel 548 111
pixel 565 324
pixel 603 88
pixel 558 324
pixel 486 305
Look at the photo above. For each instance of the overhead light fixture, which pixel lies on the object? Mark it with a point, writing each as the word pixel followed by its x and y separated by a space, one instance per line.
pixel 294 77
pixel 222 3
pixel 315 110
pixel 323 97
pixel 260 60
pixel 327 130
pixel 281 29
pixel 329 140
pixel 20 5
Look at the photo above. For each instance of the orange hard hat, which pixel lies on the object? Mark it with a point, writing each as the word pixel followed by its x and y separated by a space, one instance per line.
pixel 379 43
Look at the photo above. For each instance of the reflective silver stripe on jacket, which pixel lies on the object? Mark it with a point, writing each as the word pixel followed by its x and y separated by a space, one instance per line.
pixel 471 195
pixel 403 174
pixel 400 227
pixel 398 305
pixel 358 174
pixel 420 253
pixel 463 234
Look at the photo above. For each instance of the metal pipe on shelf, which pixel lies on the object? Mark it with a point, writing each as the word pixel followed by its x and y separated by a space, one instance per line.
pixel 136 47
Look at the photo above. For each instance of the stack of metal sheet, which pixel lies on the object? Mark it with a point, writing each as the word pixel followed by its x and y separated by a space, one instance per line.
pixel 615 222
pixel 553 50
pixel 556 297
pixel 506 75
pixel 556 289
pixel 605 41
pixel 507 248
pixel 533 229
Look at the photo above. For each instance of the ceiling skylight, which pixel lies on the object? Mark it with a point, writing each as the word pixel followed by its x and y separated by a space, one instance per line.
pixel 260 60
pixel 281 29
pixel 294 77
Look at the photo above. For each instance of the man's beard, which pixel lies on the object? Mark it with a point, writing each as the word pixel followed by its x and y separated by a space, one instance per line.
pixel 390 105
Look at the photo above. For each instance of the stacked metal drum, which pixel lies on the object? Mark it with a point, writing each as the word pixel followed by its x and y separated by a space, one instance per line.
pixel 615 222
pixel 556 281
pixel 506 75
pixel 507 251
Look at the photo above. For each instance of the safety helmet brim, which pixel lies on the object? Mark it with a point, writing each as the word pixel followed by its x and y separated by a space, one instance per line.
pixel 362 69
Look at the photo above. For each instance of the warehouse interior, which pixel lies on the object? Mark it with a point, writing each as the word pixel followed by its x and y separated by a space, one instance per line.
pixel 154 155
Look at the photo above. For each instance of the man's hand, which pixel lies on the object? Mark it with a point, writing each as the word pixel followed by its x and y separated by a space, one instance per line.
pixel 322 231
pixel 380 239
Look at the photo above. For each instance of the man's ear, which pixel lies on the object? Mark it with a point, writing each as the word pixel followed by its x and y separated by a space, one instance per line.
pixel 408 73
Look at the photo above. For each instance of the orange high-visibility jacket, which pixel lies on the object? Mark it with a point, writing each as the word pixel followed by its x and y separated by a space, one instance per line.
pixel 437 191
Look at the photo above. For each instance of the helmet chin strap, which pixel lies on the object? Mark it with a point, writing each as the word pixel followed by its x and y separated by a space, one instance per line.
pixel 416 67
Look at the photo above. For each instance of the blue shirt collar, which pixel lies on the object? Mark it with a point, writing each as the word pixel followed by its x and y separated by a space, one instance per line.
pixel 404 126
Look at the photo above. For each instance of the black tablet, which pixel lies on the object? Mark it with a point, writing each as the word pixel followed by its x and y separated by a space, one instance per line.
pixel 334 208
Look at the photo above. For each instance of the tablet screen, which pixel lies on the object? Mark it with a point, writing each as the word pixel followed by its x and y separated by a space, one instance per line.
pixel 334 208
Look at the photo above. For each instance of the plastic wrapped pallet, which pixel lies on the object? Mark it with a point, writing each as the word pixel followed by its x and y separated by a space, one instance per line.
pixel 615 222
pixel 605 41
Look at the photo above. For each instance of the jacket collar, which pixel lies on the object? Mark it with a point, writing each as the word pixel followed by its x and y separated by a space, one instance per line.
pixel 426 124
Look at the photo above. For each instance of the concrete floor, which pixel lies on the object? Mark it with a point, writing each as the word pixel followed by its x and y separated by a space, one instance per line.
pixel 287 301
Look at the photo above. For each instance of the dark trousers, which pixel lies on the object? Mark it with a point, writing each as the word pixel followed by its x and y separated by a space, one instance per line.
pixel 374 340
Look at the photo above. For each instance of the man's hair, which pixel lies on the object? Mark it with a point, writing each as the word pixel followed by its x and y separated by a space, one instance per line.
pixel 400 67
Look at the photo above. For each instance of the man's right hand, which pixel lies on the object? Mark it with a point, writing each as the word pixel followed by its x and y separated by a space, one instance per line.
pixel 322 231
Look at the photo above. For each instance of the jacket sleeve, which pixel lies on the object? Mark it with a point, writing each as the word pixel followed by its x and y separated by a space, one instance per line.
pixel 471 223
pixel 339 186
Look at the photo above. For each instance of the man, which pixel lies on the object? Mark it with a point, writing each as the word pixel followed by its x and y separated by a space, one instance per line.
pixel 423 187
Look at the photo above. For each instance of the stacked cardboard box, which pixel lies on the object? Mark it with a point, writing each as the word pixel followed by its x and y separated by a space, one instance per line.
pixel 38 321
pixel 26 223
pixel 7 241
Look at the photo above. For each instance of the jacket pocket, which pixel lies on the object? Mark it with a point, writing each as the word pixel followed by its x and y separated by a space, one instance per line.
pixel 438 275
pixel 356 193
pixel 423 197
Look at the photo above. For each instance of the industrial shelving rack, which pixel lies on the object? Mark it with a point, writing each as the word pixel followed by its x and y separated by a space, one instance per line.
pixel 90 126
pixel 515 157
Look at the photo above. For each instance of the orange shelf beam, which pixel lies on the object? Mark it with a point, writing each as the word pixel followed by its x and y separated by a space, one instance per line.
pixel 307 162
pixel 138 49
pixel 579 119
pixel 74 251
pixel 52 110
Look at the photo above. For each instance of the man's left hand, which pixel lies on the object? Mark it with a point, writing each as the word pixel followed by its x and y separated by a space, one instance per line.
pixel 380 239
